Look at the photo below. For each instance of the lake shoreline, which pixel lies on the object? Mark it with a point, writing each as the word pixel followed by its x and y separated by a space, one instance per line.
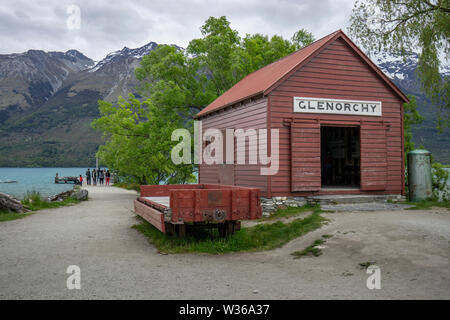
pixel 41 180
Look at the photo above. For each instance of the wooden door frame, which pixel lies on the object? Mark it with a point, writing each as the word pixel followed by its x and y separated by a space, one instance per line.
pixel 352 124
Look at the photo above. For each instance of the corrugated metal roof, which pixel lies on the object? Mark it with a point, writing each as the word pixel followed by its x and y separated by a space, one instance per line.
pixel 262 79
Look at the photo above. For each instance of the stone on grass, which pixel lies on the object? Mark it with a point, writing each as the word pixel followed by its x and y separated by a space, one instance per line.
pixel 60 196
pixel 81 195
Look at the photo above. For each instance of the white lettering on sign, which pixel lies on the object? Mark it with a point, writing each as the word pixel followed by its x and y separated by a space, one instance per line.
pixel 337 106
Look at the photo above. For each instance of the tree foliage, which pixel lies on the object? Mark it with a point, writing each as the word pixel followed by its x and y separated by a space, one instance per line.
pixel 215 62
pixel 139 143
pixel 302 38
pixel 410 118
pixel 257 51
pixel 404 26
pixel 178 83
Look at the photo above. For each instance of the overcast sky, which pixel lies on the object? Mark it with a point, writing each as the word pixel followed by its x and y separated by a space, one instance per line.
pixel 107 26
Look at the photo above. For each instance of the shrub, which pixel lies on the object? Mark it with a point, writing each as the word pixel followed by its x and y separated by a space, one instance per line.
pixel 440 176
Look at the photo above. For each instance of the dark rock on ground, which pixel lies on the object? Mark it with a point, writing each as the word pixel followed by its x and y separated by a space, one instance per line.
pixel 11 204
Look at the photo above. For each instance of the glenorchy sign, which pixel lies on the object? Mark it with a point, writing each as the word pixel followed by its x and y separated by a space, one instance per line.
pixel 337 106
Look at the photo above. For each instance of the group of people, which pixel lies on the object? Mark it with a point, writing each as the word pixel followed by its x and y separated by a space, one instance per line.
pixel 99 176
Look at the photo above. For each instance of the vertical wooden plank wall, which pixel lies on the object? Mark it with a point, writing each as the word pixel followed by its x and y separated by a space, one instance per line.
pixel 373 156
pixel 249 115
pixel 305 159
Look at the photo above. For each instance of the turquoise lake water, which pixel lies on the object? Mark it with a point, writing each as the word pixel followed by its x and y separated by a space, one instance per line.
pixel 39 179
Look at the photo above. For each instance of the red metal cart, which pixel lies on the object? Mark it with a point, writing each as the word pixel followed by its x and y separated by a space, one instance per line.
pixel 171 207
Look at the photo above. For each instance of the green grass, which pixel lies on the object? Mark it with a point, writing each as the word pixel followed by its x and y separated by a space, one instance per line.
pixel 5 215
pixel 257 238
pixel 428 204
pixel 34 202
pixel 293 211
pixel 310 250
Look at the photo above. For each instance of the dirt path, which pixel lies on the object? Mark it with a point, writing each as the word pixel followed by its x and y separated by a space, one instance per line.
pixel 410 247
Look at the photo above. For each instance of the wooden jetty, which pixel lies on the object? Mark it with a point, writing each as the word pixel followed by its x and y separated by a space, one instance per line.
pixel 73 180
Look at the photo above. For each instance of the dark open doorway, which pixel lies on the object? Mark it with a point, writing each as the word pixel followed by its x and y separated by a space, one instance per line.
pixel 340 157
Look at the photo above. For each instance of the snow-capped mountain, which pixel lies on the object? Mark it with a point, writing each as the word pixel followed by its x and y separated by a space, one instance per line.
pixel 31 78
pixel 402 72
pixel 115 56
pixel 401 68
pixel 112 76
pixel 54 101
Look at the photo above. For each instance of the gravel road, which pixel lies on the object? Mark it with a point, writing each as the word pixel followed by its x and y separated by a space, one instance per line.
pixel 117 262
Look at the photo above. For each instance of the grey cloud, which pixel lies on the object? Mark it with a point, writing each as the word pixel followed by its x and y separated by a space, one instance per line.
pixel 110 25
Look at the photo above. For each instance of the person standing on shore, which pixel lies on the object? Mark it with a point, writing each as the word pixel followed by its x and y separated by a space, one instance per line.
pixel 94 177
pixel 101 176
pixel 108 176
pixel 81 180
pixel 88 177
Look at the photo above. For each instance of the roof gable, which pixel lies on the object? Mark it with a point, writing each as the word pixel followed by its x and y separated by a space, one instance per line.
pixel 264 80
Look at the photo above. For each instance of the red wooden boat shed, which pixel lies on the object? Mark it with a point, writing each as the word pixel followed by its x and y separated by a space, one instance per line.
pixel 340 122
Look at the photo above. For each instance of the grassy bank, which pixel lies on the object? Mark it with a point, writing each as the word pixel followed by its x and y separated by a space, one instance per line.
pixel 293 211
pixel 34 202
pixel 5 215
pixel 257 238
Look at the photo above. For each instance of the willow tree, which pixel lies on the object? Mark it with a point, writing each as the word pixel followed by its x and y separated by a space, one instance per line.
pixel 404 26
pixel 139 140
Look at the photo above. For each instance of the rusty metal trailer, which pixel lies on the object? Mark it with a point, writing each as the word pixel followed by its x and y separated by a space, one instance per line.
pixel 170 208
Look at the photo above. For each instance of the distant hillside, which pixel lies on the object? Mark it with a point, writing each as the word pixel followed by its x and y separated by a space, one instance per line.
pixel 48 100
pixel 31 78
pixel 54 129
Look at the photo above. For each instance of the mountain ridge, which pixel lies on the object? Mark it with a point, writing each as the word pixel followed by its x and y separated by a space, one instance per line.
pixel 30 78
